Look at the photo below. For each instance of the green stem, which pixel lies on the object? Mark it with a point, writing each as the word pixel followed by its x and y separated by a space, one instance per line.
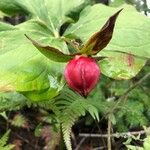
pixel 121 99
pixel 72 44
pixel 61 145
pixel 100 132
pixel 109 133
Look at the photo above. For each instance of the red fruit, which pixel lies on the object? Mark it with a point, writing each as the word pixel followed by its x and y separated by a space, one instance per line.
pixel 82 74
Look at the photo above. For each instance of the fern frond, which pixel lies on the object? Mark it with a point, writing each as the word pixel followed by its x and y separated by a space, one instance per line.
pixel 68 118
pixel 47 105
pixel 19 121
pixel 4 139
pixel 131 115
pixel 3 142
pixel 7 147
pixel 11 101
pixel 72 106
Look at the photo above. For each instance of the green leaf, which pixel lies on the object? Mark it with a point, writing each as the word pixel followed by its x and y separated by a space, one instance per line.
pixel 5 27
pixel 131 32
pixel 51 52
pixel 50 12
pixel 117 3
pixel 23 67
pixel 100 39
pixel 1 14
pixel 131 36
pixel 121 66
pixel 56 84
pixel 131 147
pixel 147 143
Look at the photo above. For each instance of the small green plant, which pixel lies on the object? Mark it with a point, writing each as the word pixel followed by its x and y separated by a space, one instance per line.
pixel 3 142
pixel 19 121
pixel 146 142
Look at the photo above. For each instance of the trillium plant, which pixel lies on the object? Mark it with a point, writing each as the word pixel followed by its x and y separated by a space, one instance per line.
pixel 60 57
pixel 82 72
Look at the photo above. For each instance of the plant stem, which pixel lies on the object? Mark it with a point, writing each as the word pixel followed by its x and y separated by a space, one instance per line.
pixel 100 132
pixel 109 133
pixel 117 135
pixel 121 99
pixel 81 142
pixel 61 147
pixel 71 43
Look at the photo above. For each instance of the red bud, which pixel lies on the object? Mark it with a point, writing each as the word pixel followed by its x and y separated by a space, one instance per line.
pixel 82 74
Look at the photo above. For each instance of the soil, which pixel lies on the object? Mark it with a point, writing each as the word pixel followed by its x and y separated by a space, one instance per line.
pixel 24 137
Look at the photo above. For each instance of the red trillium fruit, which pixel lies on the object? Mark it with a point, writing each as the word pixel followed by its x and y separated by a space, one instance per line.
pixel 82 74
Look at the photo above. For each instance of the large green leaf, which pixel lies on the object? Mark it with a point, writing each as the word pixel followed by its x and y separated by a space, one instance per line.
pixel 51 52
pixel 54 13
pixel 23 67
pixel 131 31
pixel 25 70
pixel 121 66
pixel 131 36
pixel 1 14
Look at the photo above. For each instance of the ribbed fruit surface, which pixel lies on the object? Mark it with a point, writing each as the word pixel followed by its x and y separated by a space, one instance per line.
pixel 82 74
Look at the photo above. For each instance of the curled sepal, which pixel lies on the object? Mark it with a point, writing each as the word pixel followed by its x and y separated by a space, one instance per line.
pixel 51 52
pixel 100 39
